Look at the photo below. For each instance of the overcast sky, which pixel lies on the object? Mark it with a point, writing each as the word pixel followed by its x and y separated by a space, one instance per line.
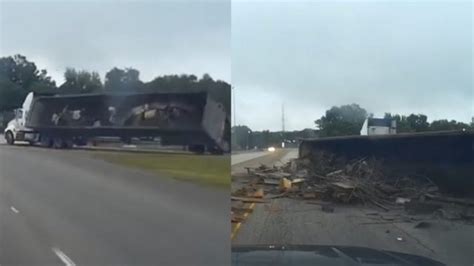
pixel 155 37
pixel 405 57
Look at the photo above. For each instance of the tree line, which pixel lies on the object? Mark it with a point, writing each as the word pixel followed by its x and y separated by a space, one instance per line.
pixel 347 120
pixel 19 76
pixel 342 120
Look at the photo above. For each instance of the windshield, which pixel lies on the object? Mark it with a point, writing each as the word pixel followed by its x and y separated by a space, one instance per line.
pixel 353 126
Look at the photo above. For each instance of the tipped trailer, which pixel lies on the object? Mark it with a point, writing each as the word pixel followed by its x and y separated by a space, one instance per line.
pixel 61 121
pixel 444 157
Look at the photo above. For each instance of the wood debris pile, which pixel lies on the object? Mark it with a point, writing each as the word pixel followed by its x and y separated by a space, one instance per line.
pixel 325 177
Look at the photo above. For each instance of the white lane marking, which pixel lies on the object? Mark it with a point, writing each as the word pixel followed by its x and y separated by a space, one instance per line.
pixel 65 259
pixel 14 209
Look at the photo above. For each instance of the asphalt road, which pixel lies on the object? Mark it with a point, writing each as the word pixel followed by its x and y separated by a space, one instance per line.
pixel 246 156
pixel 287 221
pixel 67 208
pixel 291 221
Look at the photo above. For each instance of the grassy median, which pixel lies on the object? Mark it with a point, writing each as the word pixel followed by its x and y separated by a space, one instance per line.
pixel 204 169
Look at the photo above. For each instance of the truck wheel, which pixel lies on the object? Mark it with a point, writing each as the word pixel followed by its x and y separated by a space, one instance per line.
pixel 46 141
pixel 9 137
pixel 58 143
pixel 80 141
pixel 215 150
pixel 198 149
pixel 68 144
pixel 126 140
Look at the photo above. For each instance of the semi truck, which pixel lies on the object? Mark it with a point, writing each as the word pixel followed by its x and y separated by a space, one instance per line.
pixel 193 120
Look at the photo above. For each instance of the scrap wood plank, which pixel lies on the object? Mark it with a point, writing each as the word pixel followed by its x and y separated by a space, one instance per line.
pixel 297 180
pixel 334 173
pixel 237 219
pixel 271 181
pixel 241 209
pixel 378 204
pixel 278 195
pixel 279 175
pixel 260 175
pixel 248 199
pixel 344 185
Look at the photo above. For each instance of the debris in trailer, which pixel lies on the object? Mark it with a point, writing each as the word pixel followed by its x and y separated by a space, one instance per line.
pixel 363 181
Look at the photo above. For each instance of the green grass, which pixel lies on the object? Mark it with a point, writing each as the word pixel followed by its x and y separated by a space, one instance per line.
pixel 203 169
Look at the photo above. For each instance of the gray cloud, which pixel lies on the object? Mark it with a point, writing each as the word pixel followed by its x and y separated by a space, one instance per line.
pixel 399 57
pixel 162 37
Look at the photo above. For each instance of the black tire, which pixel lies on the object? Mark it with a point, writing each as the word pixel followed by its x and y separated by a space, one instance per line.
pixel 79 141
pixel 215 151
pixel 198 149
pixel 68 144
pixel 9 138
pixel 126 140
pixel 46 141
pixel 58 143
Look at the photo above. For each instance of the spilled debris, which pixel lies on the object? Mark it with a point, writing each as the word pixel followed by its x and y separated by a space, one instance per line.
pixel 327 180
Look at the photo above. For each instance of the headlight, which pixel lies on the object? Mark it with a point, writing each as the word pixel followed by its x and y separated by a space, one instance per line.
pixel 271 149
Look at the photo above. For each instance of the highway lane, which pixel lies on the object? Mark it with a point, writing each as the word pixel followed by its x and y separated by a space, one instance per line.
pixel 291 221
pixel 247 156
pixel 62 207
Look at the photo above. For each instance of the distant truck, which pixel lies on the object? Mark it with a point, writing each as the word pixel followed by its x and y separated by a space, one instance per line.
pixel 61 121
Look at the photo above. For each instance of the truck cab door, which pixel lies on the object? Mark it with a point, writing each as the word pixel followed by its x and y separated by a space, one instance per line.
pixel 20 117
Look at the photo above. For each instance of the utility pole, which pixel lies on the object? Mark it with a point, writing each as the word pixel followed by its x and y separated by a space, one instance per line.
pixel 233 103
pixel 282 117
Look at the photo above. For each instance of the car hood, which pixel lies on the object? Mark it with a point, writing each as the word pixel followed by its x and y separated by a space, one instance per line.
pixel 301 255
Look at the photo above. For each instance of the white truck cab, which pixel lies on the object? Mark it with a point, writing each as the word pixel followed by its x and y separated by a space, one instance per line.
pixel 16 129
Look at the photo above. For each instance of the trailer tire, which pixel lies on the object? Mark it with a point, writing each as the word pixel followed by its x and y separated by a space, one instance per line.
pixel 58 143
pixel 197 149
pixel 68 143
pixel 46 141
pixel 215 151
pixel 79 141
pixel 9 138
